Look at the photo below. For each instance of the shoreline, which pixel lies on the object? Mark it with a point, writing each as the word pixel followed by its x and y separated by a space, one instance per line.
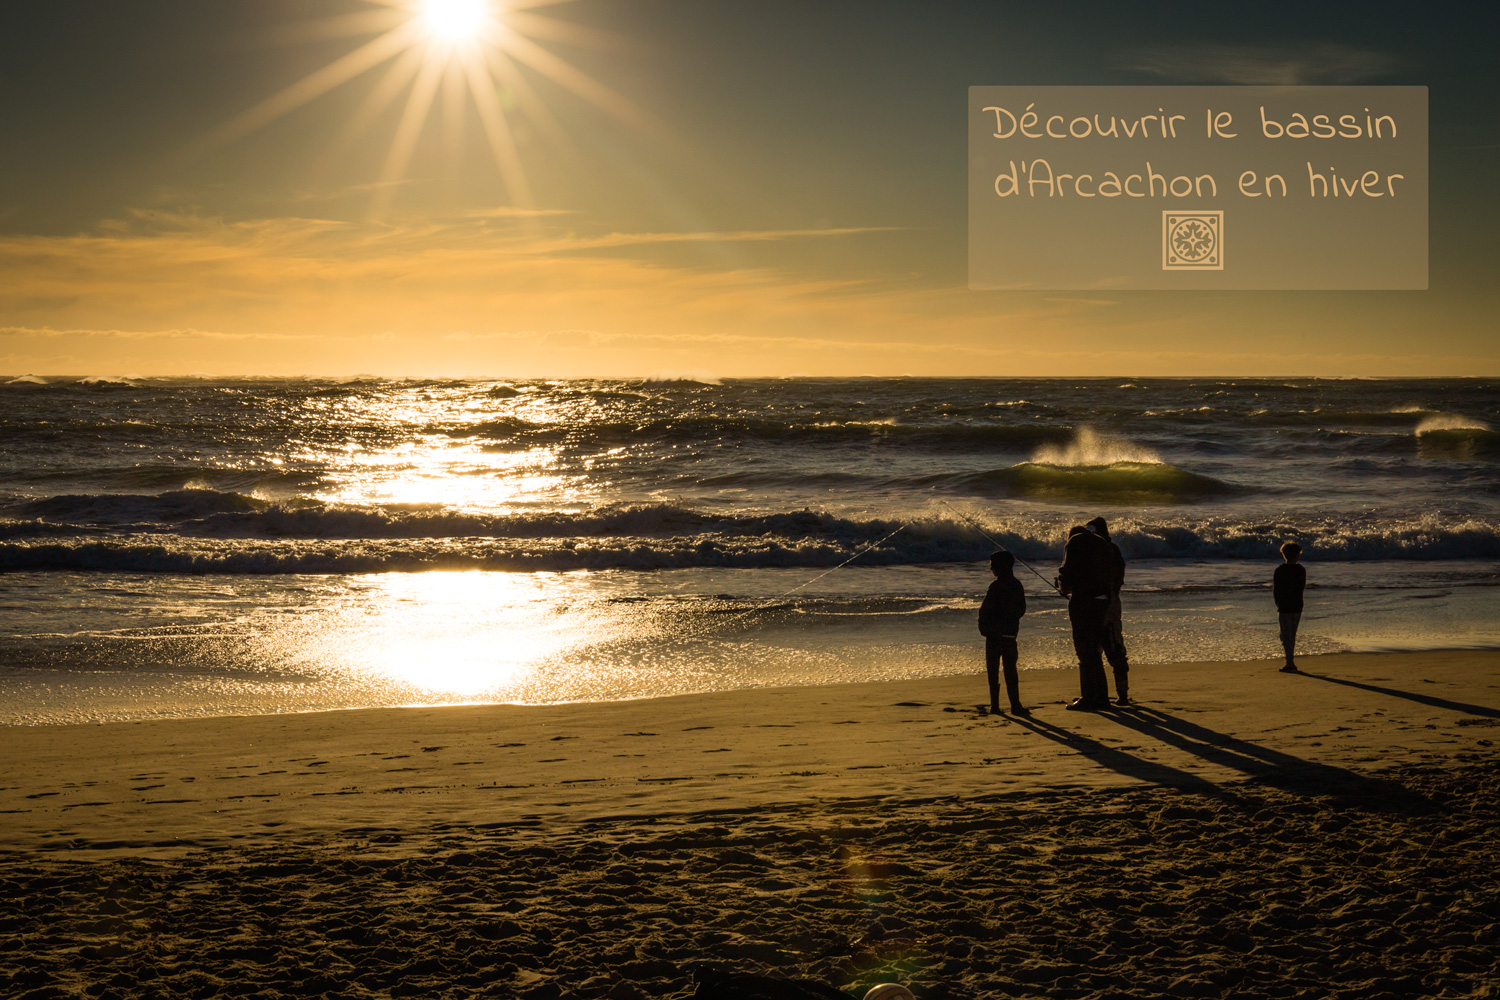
pixel 41 681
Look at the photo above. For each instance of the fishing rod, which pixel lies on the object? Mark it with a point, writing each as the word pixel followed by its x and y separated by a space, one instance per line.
pixel 997 544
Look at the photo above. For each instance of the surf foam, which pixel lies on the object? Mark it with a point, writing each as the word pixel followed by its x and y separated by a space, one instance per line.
pixel 1090 449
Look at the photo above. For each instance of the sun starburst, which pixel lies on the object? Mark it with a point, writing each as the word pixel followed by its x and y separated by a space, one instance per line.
pixel 472 50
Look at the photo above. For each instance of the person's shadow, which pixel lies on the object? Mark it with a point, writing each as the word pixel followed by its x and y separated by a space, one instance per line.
pixel 1424 699
pixel 1120 761
pixel 1269 767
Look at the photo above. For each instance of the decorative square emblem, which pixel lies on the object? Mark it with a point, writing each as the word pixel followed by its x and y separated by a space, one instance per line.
pixel 1192 241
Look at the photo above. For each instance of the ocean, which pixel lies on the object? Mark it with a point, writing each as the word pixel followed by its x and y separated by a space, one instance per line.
pixel 202 546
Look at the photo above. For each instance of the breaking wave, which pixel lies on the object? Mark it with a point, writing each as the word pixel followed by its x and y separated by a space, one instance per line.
pixel 323 539
pixel 1090 449
pixel 1090 468
pixel 959 437
pixel 1115 484
pixel 1450 422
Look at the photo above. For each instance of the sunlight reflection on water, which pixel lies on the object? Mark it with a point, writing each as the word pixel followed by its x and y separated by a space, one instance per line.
pixel 464 634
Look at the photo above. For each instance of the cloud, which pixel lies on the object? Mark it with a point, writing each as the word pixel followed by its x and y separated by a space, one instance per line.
pixel 223 286
pixel 514 212
pixel 46 331
pixel 1083 302
pixel 169 293
pixel 1299 64
pixel 737 236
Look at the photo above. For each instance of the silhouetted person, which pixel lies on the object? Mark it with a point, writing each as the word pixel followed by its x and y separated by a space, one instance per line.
pixel 999 622
pixel 1286 588
pixel 1114 630
pixel 1084 579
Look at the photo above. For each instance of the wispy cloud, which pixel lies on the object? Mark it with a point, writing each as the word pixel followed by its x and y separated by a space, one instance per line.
pixel 169 293
pixel 737 236
pixel 513 212
pixel 181 334
pixel 1295 64
pixel 155 270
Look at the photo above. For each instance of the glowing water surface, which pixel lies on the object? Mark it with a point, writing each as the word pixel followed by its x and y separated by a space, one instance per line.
pixel 178 646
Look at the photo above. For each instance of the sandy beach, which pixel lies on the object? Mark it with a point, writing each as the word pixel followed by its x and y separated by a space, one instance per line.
pixel 1239 832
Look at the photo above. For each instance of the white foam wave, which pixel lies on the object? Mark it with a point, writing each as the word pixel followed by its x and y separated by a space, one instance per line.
pixel 1450 422
pixel 109 380
pixel 806 540
pixel 1091 449
pixel 884 422
pixel 699 377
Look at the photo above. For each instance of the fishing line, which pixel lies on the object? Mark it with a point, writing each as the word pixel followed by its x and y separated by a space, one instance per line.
pixel 881 541
pixel 996 541
pixel 846 562
pixel 809 583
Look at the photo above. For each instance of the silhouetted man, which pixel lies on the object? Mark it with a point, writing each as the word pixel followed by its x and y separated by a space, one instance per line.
pixel 1286 587
pixel 999 622
pixel 1114 632
pixel 1084 579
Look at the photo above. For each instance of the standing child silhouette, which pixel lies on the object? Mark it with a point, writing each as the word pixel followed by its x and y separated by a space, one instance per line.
pixel 1286 588
pixel 999 622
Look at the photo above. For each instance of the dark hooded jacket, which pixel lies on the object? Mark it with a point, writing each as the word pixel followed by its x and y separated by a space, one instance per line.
pixel 1087 568
pixel 1003 606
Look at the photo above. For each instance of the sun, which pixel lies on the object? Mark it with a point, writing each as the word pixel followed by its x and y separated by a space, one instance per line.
pixel 455 21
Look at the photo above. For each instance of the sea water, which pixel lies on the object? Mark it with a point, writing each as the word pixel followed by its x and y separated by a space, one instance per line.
pixel 225 546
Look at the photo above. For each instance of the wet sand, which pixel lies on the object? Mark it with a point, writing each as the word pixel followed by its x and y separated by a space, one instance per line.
pixel 1238 832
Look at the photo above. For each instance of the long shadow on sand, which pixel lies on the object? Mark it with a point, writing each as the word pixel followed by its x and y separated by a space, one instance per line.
pixel 1425 699
pixel 1118 760
pixel 1274 768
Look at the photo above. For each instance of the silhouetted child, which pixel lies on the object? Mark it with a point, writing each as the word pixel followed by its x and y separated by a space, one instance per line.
pixel 1286 588
pixel 999 622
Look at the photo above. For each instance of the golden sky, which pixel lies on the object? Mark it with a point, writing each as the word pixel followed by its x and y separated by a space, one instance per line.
pixel 626 188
